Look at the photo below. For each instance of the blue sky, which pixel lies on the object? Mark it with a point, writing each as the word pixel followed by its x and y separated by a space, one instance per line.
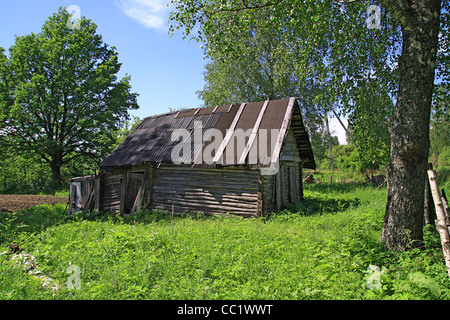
pixel 165 71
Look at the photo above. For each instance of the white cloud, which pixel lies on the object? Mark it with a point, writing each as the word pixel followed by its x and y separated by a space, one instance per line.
pixel 149 13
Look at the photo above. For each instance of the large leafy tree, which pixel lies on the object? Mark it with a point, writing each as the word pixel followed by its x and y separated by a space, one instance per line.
pixel 60 97
pixel 399 57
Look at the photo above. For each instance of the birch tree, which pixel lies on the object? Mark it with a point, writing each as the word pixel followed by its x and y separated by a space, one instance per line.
pixel 394 44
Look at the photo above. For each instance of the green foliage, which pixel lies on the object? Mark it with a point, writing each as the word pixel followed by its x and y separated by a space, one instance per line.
pixel 317 38
pixel 319 249
pixel 440 134
pixel 60 96
pixel 7 227
pixel 369 127
pixel 347 158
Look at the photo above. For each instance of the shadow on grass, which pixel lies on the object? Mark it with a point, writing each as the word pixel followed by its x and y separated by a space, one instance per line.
pixel 338 187
pixel 318 205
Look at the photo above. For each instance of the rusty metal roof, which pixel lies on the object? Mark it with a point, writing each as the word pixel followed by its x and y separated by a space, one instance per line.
pixel 152 141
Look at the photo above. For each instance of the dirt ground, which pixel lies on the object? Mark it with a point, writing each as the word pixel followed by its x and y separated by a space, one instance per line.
pixel 15 203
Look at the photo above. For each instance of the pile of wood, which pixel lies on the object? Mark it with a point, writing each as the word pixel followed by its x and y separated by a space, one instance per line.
pixel 376 181
pixel 310 178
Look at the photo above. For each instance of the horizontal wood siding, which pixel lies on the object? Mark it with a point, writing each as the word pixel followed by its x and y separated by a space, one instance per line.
pixel 290 150
pixel 211 191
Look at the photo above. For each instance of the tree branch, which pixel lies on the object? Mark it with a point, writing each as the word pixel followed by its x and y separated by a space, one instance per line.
pixel 397 11
pixel 245 7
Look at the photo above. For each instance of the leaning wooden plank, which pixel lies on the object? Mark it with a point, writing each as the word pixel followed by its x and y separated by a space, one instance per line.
pixel 283 130
pixel 138 201
pixel 441 224
pixel 228 135
pixel 252 138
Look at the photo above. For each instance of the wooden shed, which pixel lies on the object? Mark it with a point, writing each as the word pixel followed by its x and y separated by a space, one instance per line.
pixel 242 159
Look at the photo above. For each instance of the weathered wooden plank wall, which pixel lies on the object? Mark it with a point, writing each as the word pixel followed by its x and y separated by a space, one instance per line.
pixel 233 190
pixel 110 192
pixel 212 191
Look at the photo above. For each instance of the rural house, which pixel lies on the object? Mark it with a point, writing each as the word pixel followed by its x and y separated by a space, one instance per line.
pixel 242 159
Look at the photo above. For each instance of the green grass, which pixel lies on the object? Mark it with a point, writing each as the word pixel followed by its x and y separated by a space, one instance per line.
pixel 318 249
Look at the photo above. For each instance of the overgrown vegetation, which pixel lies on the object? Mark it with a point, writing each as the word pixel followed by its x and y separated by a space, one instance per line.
pixel 321 248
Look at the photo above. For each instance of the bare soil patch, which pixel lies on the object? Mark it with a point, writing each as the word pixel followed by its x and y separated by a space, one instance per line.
pixel 15 203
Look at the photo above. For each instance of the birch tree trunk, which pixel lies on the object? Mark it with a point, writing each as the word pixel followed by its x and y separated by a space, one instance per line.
pixel 441 222
pixel 403 221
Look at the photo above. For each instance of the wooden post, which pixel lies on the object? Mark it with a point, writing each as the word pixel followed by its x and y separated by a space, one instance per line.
pixel 147 182
pixel 292 185
pixel 441 223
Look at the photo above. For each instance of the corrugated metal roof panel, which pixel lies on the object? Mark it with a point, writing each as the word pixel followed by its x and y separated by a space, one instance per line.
pixel 151 141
